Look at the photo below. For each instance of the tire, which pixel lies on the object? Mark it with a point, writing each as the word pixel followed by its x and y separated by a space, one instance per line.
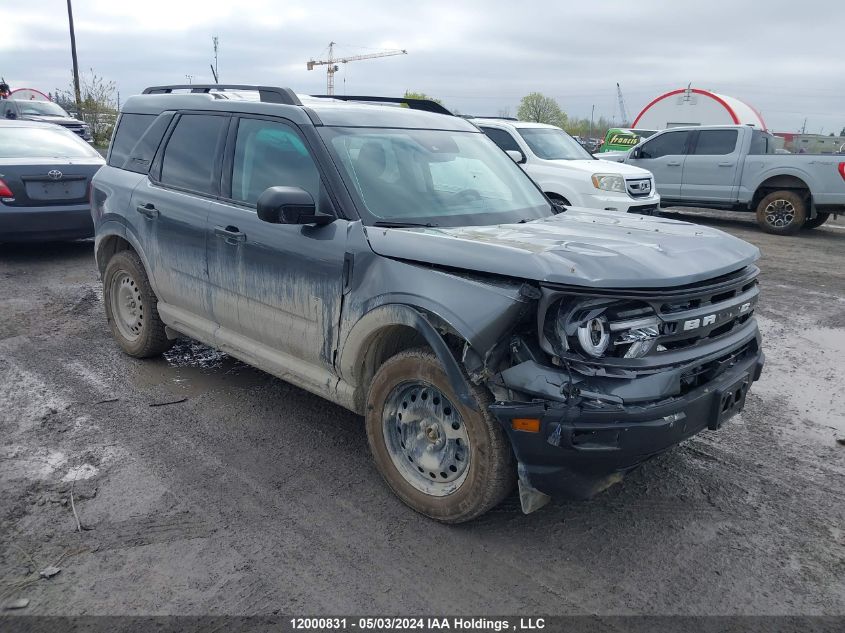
pixel 474 467
pixel 132 307
pixel 782 212
pixel 816 222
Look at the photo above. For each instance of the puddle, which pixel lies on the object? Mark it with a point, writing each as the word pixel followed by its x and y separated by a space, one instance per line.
pixel 190 368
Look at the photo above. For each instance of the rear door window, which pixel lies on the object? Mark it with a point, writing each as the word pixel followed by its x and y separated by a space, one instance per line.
pixel 501 138
pixel 192 153
pixel 669 144
pixel 129 130
pixel 715 142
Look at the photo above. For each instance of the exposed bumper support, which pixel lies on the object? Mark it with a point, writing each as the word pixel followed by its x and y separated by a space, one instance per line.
pixel 581 450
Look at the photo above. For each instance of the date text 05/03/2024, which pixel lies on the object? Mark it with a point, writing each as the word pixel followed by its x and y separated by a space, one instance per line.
pixel 416 624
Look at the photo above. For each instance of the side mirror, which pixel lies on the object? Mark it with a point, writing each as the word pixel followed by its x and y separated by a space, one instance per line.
pixel 10 114
pixel 516 156
pixel 289 205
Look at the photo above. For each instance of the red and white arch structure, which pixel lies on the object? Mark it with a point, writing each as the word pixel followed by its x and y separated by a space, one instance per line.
pixel 693 106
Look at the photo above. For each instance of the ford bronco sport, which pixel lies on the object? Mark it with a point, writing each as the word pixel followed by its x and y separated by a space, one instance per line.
pixel 395 261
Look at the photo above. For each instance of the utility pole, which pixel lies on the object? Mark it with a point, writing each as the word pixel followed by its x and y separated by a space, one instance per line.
pixel 804 127
pixel 189 78
pixel 592 112
pixel 215 41
pixel 75 63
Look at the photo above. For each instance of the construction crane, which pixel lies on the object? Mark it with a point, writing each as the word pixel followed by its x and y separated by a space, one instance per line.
pixel 622 111
pixel 332 62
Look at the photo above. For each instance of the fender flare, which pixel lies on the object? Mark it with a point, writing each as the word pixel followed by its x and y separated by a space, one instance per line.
pixel 397 314
pixel 117 229
pixel 774 172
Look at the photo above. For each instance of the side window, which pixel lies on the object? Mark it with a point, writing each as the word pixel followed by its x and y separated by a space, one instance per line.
pixel 716 142
pixel 271 154
pixel 501 138
pixel 669 144
pixel 760 143
pixel 142 154
pixel 191 152
pixel 129 130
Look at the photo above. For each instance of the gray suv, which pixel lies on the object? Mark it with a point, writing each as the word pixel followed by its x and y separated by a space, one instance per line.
pixel 395 261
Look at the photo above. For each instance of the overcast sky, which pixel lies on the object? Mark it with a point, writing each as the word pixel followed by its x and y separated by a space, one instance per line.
pixel 479 57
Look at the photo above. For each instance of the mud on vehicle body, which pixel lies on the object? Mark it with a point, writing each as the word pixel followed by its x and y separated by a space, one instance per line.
pixel 396 262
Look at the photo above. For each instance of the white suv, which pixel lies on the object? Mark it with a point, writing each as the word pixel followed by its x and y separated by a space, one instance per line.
pixel 567 172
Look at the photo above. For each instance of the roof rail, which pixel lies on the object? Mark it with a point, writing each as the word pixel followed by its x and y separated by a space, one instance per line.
pixel 501 118
pixel 268 94
pixel 428 105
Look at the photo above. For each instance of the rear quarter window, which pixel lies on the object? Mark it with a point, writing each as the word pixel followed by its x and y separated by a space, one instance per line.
pixel 130 128
pixel 141 156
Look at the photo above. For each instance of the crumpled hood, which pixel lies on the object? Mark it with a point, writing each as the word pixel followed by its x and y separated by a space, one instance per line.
pixel 583 247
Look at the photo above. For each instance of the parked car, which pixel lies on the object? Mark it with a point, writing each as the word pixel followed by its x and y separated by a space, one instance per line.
pixel 568 173
pixel 735 167
pixel 45 173
pixel 394 261
pixel 45 112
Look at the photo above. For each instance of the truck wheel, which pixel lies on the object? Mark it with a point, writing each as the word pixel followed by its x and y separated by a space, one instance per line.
pixel 131 307
pixel 781 212
pixel 439 456
pixel 814 223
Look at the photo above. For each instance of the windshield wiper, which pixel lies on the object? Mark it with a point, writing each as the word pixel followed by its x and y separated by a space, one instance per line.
pixel 391 224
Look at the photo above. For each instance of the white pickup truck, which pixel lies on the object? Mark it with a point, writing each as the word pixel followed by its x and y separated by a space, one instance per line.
pixel 734 167
pixel 568 173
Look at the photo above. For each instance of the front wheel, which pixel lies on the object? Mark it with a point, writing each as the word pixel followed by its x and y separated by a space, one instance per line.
pixel 816 222
pixel 442 458
pixel 782 212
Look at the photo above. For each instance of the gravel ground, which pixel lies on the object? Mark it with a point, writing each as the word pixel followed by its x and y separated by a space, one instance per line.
pixel 246 495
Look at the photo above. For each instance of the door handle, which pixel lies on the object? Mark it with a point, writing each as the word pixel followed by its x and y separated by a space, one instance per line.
pixel 147 210
pixel 230 234
pixel 726 164
pixel 673 164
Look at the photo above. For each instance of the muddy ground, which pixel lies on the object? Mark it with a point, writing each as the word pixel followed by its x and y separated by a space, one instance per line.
pixel 251 496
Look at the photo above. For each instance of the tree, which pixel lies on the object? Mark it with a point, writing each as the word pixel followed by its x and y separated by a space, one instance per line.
pixel 540 109
pixel 842 133
pixel 409 94
pixel 99 106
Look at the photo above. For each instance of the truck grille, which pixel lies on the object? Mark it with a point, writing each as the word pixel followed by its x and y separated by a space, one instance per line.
pixel 639 188
pixel 648 323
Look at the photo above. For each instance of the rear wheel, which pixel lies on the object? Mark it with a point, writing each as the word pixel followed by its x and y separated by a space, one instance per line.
pixel 782 212
pixel 441 457
pixel 132 307
pixel 817 221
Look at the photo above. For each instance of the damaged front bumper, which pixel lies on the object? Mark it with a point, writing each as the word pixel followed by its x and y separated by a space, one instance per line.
pixel 583 446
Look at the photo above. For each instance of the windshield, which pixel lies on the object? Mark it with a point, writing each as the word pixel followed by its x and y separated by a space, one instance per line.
pixel 42 142
pixel 551 143
pixel 436 177
pixel 44 108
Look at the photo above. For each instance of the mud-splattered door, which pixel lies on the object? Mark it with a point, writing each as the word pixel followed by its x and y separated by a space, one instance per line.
pixel 279 285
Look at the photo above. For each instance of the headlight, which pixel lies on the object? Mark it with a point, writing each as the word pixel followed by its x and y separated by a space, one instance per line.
pixel 599 328
pixel 609 182
pixel 594 336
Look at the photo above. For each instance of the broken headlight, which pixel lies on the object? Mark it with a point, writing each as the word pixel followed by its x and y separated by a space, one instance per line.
pixel 598 327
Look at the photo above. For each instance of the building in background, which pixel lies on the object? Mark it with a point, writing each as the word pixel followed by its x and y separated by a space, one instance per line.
pixel 812 143
pixel 693 106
